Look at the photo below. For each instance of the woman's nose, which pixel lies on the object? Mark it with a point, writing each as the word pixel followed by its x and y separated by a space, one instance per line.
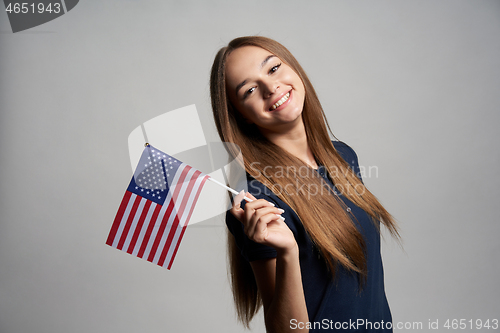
pixel 270 87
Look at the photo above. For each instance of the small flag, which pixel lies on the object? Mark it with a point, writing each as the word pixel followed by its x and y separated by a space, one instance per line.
pixel 156 208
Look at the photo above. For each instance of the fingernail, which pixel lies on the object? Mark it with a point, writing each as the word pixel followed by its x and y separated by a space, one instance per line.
pixel 281 210
pixel 271 204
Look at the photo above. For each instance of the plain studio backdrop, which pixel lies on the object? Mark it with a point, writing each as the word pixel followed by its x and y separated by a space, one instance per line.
pixel 412 86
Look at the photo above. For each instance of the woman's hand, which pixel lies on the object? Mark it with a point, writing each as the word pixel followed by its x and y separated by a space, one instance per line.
pixel 279 279
pixel 263 223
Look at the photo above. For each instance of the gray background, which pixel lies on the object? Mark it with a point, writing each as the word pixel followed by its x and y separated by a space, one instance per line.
pixel 412 86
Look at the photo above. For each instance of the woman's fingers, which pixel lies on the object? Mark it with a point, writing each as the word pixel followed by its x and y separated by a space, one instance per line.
pixel 262 221
pixel 237 199
pixel 253 210
pixel 260 232
pixel 236 209
pixel 239 213
pixel 260 216
pixel 249 195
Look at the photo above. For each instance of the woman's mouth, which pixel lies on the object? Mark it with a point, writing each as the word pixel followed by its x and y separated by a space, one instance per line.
pixel 281 101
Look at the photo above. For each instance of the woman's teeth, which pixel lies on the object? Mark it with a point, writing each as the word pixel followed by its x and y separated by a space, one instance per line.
pixel 281 101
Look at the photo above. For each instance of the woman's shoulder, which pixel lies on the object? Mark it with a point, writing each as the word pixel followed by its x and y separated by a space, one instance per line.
pixel 349 155
pixel 345 151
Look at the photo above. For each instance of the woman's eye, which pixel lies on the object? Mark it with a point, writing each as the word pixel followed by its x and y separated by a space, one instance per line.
pixel 248 92
pixel 274 68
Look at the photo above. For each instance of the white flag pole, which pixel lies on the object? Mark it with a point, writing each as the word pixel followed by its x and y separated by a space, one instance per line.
pixel 228 188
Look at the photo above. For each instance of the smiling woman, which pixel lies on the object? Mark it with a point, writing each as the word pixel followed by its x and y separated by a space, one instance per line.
pixel 308 247
pixel 265 90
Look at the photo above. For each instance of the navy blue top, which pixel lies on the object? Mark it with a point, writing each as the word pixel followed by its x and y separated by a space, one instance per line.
pixel 331 304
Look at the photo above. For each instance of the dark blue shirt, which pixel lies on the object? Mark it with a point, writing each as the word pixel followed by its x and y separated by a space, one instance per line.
pixel 332 304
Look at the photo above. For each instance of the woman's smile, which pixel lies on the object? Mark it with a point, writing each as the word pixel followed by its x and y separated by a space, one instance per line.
pixel 281 102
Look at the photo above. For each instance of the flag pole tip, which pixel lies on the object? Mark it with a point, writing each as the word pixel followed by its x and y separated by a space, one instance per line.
pixel 146 144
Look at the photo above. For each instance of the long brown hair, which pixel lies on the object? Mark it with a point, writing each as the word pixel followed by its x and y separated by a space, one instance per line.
pixel 334 233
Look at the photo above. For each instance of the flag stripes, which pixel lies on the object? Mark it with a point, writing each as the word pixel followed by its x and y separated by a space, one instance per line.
pixel 153 229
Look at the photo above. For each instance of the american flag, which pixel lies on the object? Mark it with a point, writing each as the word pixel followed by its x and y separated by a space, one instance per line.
pixel 156 208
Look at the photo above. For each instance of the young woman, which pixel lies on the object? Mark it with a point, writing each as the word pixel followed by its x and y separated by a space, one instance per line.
pixel 307 247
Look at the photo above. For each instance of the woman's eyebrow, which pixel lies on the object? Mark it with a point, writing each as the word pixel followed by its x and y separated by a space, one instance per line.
pixel 266 60
pixel 238 87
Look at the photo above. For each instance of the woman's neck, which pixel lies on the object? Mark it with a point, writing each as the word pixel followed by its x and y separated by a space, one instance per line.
pixel 295 142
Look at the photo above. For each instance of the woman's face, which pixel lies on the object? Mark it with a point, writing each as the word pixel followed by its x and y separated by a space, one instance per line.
pixel 265 90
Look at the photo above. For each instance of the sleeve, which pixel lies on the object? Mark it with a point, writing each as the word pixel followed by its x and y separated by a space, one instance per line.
pixel 249 249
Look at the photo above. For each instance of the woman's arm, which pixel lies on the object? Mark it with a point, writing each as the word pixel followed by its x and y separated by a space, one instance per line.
pixel 279 279
pixel 280 285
